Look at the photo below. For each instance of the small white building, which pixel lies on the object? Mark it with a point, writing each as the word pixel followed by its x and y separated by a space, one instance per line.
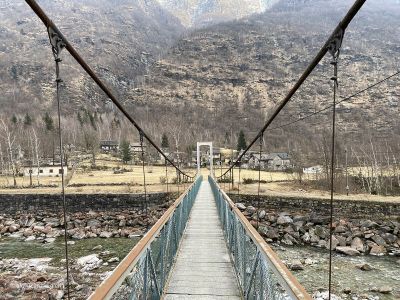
pixel 45 171
pixel 313 170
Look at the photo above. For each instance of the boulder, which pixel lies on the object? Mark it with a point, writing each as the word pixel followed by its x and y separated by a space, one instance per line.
pixel 296 265
pixel 378 250
pixel 348 251
pixel 358 244
pixel 53 222
pixel 282 220
pixel 105 234
pixel 335 243
pixel 261 214
pixel 385 289
pixel 389 238
pixel 251 209
pixel 93 223
pixel 272 233
pixel 89 262
pixel 340 229
pixel 368 224
pixel 364 267
pixel 378 240
pixel 30 238
pixel 321 232
pixel 49 240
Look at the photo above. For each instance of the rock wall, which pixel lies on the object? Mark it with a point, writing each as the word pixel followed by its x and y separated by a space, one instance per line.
pixel 31 203
pixel 342 208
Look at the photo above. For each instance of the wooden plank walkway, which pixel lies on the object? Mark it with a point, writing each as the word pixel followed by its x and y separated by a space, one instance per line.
pixel 203 268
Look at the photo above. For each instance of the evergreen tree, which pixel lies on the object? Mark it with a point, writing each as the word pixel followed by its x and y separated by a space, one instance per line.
pixel 14 119
pixel 48 122
pixel 241 145
pixel 28 120
pixel 164 141
pixel 126 154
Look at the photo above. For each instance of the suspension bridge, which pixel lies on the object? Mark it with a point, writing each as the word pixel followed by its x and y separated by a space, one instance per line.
pixel 203 247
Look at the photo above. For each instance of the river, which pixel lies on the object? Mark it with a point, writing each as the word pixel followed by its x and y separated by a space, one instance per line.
pixel 346 277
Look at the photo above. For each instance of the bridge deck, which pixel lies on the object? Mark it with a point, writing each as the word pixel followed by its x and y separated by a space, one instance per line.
pixel 203 268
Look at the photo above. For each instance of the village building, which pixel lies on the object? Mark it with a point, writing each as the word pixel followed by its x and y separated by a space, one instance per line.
pixel 109 146
pixel 45 170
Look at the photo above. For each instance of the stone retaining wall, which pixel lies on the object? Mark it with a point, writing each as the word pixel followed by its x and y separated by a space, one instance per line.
pixel 30 203
pixel 342 208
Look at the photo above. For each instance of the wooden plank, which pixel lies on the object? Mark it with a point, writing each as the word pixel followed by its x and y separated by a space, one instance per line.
pixel 203 269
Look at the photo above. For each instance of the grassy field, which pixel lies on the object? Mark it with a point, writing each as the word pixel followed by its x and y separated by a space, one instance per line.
pixel 131 181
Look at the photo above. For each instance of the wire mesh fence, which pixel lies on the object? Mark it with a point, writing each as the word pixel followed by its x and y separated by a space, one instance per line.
pixel 258 276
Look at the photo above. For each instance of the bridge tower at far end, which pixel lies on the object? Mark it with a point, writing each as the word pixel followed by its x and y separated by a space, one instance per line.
pixel 199 144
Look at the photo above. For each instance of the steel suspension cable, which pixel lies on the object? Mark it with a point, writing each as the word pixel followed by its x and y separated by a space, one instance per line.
pixel 240 168
pixel 166 174
pixel 338 102
pixel 57 45
pixel 144 178
pixel 259 179
pixel 320 55
pixel 335 52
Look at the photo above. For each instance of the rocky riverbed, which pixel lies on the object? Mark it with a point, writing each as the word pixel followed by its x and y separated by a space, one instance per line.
pixel 351 236
pixel 354 277
pixel 34 270
pixel 47 226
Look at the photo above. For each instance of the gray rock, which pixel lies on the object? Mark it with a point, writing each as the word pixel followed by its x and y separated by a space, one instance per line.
pixel 272 233
pixel 385 289
pixel 368 224
pixel 93 223
pixel 113 259
pixel 358 244
pixel 364 267
pixel 53 222
pixel 251 209
pixel 348 251
pixel 378 240
pixel 261 214
pixel 335 243
pixel 89 262
pixel 389 238
pixel 49 240
pixel 296 265
pixel 105 234
pixel 241 206
pixel 377 250
pixel 321 232
pixel 340 229
pixel 282 220
pixel 30 238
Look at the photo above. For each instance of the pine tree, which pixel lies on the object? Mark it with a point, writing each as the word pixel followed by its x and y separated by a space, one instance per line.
pixel 126 154
pixel 28 120
pixel 241 145
pixel 164 141
pixel 48 122
pixel 14 119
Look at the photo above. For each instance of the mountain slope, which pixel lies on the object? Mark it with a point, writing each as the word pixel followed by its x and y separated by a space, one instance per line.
pixel 199 13
pixel 118 38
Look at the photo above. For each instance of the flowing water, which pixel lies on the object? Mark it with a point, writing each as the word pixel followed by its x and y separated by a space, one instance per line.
pixel 346 275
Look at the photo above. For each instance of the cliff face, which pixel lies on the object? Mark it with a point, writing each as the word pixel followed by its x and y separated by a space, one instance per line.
pixel 199 13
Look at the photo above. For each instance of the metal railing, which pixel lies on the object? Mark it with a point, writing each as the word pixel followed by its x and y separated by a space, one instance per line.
pixel 143 272
pixel 260 273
